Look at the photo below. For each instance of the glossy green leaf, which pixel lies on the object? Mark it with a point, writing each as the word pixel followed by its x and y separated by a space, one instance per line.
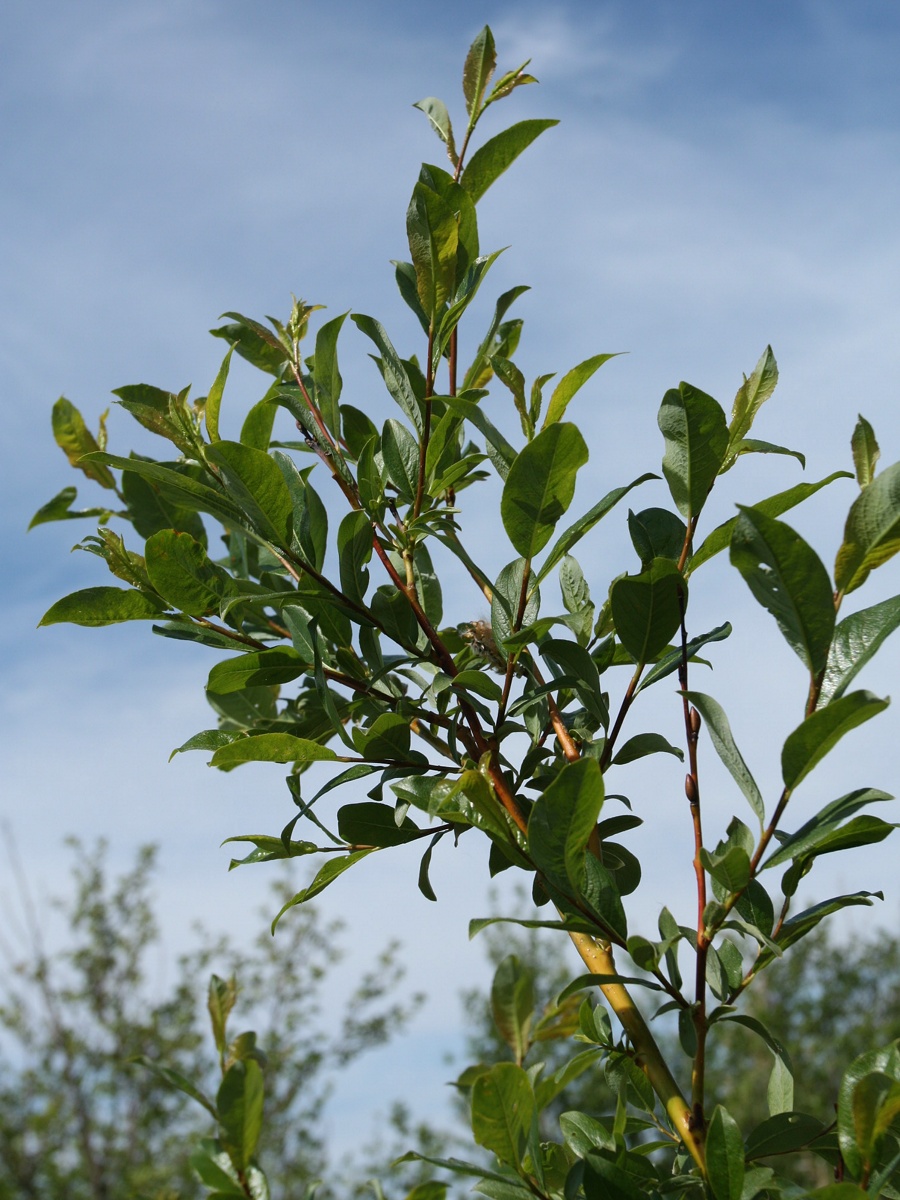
pixel 394 372
pixel 477 71
pixel 724 1156
pixel 489 161
pixel 256 430
pixel 805 922
pixel 719 730
pixel 696 436
pixel 668 664
pixel 267 848
pixel 332 869
pixel 818 734
pixel 751 396
pixel 216 1170
pixel 167 414
pixel 884 1062
pixel 479 373
pixel 643 744
pixel 60 509
pixel 254 342
pixel 256 483
pixel 502 1110
pixel 258 668
pixel 401 458
pixel 605 1180
pixel 866 452
pixel 372 824
pixel 571 383
pixel 731 869
pixel 823 825
pixel 182 574
pixel 182 486
pixel 872 531
pixel 354 544
pixel 75 440
pixel 783 1134
pixel 773 506
pixel 270 747
pixel 506 601
pixel 583 1133
pixel 433 235
pixel 512 1005
pixel 647 609
pixel 326 373
pixel 103 606
pixel 857 639
pixel 239 1103
pixel 561 822
pixel 540 487
pixel 309 519
pixel 786 576
pixel 213 405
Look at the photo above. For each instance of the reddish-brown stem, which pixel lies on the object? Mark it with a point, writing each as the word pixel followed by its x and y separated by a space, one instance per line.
pixel 627 699
pixel 426 425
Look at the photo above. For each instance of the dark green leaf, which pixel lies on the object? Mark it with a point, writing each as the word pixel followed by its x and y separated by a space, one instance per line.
pixel 354 543
pixel 884 1061
pixel 181 486
pixel 394 372
pixel 656 533
pixel 724 1156
pixel 647 609
pixel 872 531
pixel 103 606
pixel 643 744
pixel 334 867
pixel 506 596
pixel 257 484
pixel 151 509
pixel 502 1109
pixel 786 576
pixel 811 741
pixel 696 435
pixel 182 574
pixel 269 849
pixel 856 640
pixel 783 1134
pixel 490 160
pixel 604 1180
pixel 582 1133
pixel 667 664
pixel 401 458
pixel 823 825
pixel 372 824
pixel 753 446
pixel 540 487
pixel 723 740
pixel 60 509
pixel 326 373
pixel 309 516
pixel 433 235
pixel 561 822
pixel 258 668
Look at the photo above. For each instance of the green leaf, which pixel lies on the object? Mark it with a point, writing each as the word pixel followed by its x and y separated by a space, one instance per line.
pixel 255 481
pixel 783 1134
pixel 176 1080
pixel 786 576
pixel 731 869
pixel 256 430
pixel 856 640
pixel 605 1180
pixel 725 746
pixel 540 487
pixel 75 440
pixel 479 373
pixel 583 1133
pixel 805 922
pixel 151 509
pixel 562 820
pixel 489 161
pixel 781 1082
pixel 182 574
pixel 512 1005
pixel 753 446
pixel 254 342
pixel 326 875
pixel 823 825
pixel 394 372
pixel 751 396
pixel 505 599
pixel 696 436
pixel 570 383
pixel 239 1102
pixel 213 404
pixel 215 1169
pixel 774 506
pixel 872 531
pixel 372 824
pixel 667 664
pixel 883 1061
pixel 586 523
pixel 401 458
pixel 439 119
pixel 269 849
pixel 60 509
pixel 181 485
pixel 647 609
pixel 643 744
pixel 477 71
pixel 724 1156
pixel 326 373
pixel 479 683
pixel 103 606
pixel 354 543
pixel 309 516
pixel 270 747
pixel 258 668
pixel 820 733
pixel 468 408
pixel 433 235
pixel 865 452
pixel 502 1110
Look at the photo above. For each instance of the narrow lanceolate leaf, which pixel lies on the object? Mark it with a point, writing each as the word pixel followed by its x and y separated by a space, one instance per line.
pixel 755 446
pixel 872 532
pixel 751 396
pixel 719 730
pixel 477 71
pixel 432 231
pixel 866 452
pixel 326 373
pixel 696 436
pixel 60 509
pixel 647 608
pixel 811 741
pixel 270 747
pixel 490 160
pixel 512 1005
pixel 175 1079
pixel 396 378
pixel 561 822
pixel 75 440
pixel 103 606
pixel 213 404
pixel 326 875
pixel 540 487
pixel 773 506
pixel 821 829
pixel 787 577
pixel 571 536
pixel 439 120
pixel 724 1156
pixel 255 482
pixel 570 383
pixel 856 640
pixel 502 1109
pixel 181 486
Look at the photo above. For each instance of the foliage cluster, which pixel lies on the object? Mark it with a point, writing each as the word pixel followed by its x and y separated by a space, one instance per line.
pixel 339 653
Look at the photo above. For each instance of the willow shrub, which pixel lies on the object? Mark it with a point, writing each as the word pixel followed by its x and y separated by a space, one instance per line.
pixel 331 647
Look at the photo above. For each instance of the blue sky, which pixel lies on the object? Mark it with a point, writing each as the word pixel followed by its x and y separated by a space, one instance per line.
pixel 724 175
